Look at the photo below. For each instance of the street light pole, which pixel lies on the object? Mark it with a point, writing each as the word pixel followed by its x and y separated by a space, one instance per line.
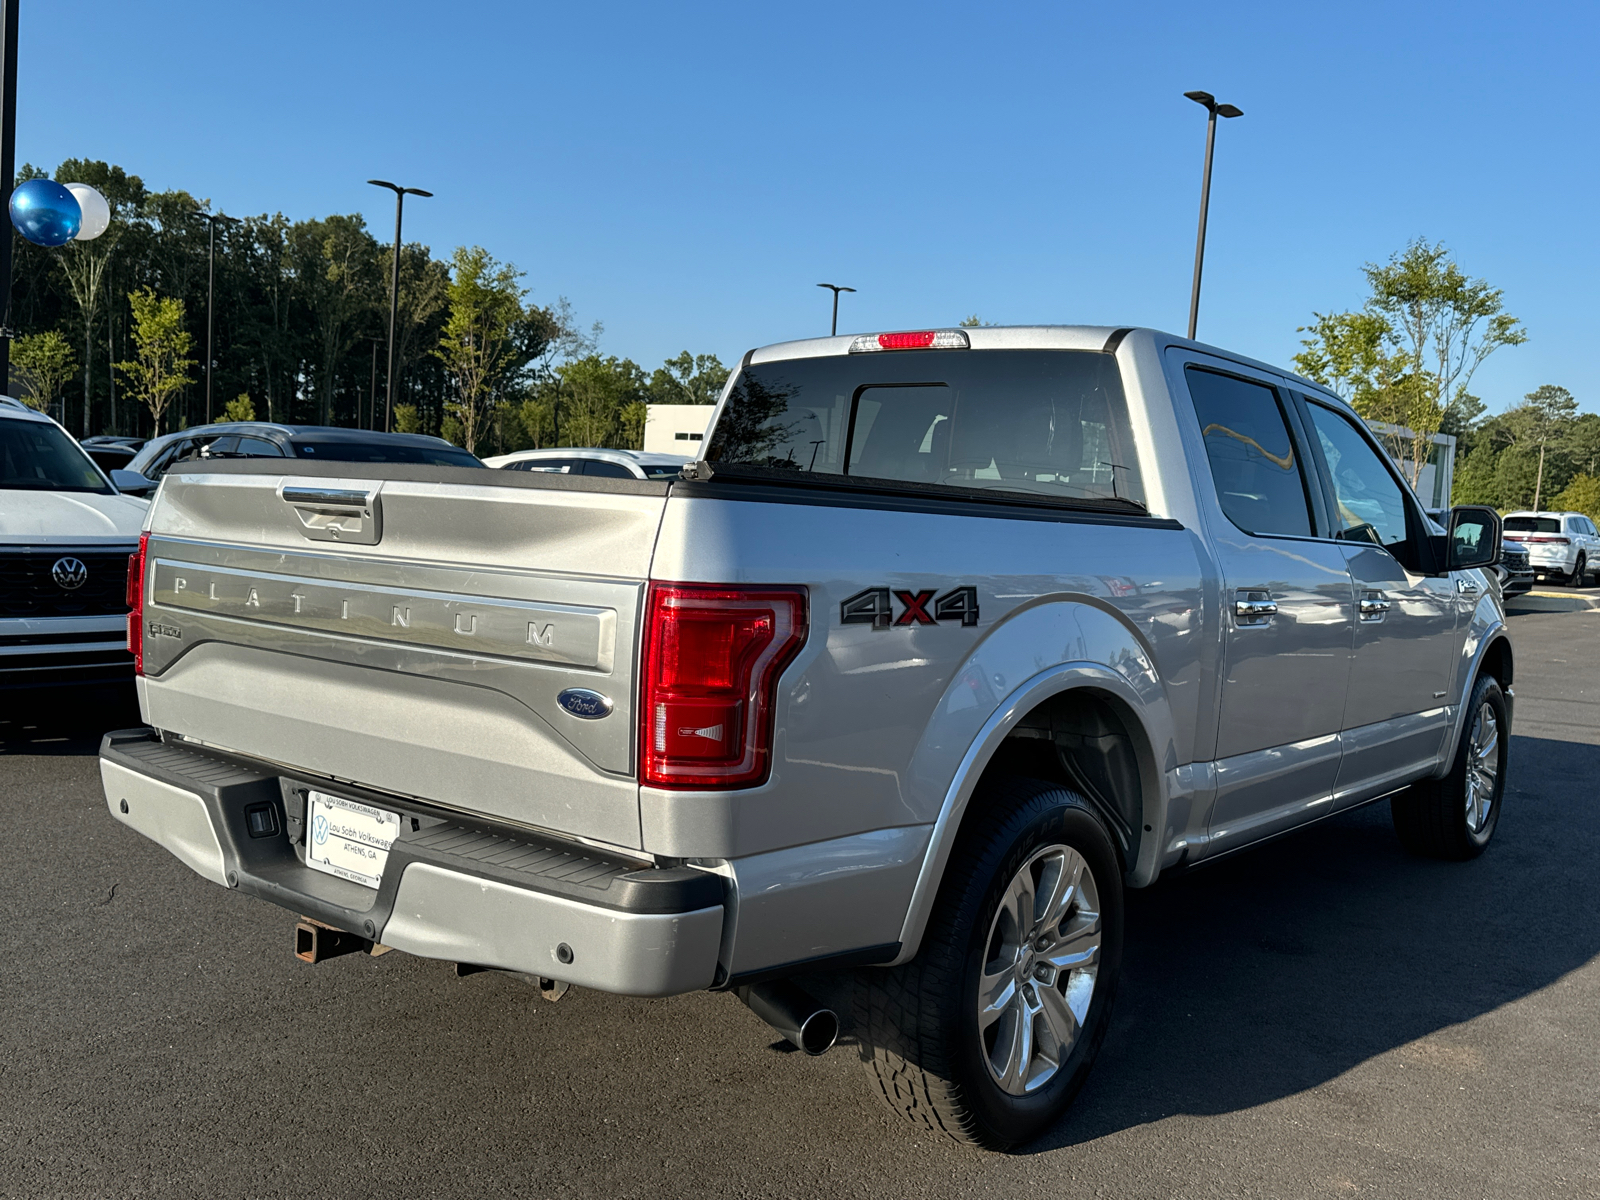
pixel 836 289
pixel 1214 110
pixel 211 220
pixel 400 194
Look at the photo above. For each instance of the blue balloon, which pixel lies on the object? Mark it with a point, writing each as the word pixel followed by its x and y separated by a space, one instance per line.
pixel 45 213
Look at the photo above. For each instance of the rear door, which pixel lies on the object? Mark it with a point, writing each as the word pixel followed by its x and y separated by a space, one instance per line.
pixel 1408 622
pixel 1288 606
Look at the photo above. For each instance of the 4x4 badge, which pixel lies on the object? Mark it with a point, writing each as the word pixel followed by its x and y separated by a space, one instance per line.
pixel 873 607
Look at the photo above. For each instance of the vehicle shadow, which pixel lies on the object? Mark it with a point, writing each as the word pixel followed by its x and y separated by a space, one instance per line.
pixel 64 721
pixel 1275 971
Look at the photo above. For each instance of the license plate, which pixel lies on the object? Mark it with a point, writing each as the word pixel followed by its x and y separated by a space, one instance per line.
pixel 348 839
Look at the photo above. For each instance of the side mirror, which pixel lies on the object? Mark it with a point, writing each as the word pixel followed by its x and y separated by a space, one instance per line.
pixel 1474 537
pixel 131 483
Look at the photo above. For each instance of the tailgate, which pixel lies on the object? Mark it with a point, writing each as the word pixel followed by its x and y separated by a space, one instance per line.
pixel 409 629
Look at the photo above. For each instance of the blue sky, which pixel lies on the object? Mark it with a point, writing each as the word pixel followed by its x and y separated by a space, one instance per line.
pixel 687 173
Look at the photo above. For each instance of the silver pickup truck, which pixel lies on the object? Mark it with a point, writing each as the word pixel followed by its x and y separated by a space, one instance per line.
pixel 951 636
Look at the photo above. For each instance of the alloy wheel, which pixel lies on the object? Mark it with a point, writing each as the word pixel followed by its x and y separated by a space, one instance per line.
pixel 1483 767
pixel 1040 963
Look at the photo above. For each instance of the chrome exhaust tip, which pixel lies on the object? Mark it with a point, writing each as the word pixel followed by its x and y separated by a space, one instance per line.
pixel 804 1023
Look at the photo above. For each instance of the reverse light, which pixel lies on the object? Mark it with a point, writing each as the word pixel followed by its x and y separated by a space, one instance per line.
pixel 711 660
pixel 923 339
pixel 135 598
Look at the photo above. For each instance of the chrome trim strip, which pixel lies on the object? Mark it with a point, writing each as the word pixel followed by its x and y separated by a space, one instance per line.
pixel 565 634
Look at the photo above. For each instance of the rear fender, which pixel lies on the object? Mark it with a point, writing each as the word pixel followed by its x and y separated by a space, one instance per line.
pixel 1051 647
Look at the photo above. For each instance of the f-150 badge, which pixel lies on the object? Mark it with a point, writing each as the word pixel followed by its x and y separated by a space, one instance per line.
pixel 874 607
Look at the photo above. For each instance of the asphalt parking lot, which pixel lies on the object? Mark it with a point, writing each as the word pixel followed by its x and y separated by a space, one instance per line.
pixel 1324 1016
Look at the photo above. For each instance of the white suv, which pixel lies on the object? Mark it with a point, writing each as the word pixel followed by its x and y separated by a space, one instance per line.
pixel 1563 546
pixel 65 537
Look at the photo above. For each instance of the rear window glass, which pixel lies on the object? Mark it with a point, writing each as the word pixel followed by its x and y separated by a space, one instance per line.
pixel 384 452
pixel 40 457
pixel 1045 422
pixel 1532 525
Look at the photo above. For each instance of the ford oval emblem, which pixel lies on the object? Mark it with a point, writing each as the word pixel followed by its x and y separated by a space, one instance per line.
pixel 581 702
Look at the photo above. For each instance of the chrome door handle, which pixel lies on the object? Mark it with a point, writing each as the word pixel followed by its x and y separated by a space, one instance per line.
pixel 1373 606
pixel 1466 587
pixel 1254 607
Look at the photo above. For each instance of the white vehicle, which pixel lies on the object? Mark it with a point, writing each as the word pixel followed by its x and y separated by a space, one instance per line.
pixel 66 535
pixel 591 460
pixel 1563 546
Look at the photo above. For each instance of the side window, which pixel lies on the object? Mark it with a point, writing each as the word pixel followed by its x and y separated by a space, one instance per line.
pixel 1369 505
pixel 609 470
pixel 254 447
pixel 179 451
pixel 1260 482
pixel 548 466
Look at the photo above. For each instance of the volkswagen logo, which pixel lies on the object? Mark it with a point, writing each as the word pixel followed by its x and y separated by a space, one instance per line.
pixel 69 573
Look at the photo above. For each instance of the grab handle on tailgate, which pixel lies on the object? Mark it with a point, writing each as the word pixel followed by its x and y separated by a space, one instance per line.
pixel 335 514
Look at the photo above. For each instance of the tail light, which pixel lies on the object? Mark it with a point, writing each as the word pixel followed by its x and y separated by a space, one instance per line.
pixel 135 598
pixel 712 656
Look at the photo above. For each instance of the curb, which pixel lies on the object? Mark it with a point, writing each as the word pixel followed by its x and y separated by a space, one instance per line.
pixel 1532 602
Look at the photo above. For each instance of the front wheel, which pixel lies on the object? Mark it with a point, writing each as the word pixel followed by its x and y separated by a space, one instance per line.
pixel 988 1034
pixel 1455 817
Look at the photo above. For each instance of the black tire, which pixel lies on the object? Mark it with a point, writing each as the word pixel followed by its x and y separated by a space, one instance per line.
pixel 1579 570
pixel 1432 817
pixel 919 1023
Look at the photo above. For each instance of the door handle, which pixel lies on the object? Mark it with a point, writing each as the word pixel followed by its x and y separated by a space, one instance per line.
pixel 1373 606
pixel 1466 587
pixel 1254 607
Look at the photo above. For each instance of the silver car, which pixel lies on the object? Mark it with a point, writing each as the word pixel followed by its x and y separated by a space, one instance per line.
pixel 950 637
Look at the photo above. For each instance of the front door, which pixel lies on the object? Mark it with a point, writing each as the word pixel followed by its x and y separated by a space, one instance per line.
pixel 1406 630
pixel 1288 610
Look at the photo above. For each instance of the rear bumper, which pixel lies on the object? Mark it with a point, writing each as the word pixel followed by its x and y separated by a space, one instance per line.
pixel 493 898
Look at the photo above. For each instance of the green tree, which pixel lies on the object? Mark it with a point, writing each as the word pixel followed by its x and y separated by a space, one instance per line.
pixel 336 265
pixel 477 345
pixel 687 379
pixel 1407 356
pixel 41 363
pixel 595 392
pixel 161 369
pixel 1546 416
pixel 1580 495
pixel 240 408
pixel 407 419
pixel 83 264
pixel 1475 481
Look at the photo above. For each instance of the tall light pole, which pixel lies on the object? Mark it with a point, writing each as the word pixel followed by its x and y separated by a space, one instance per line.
pixel 836 290
pixel 400 194
pixel 211 220
pixel 1215 110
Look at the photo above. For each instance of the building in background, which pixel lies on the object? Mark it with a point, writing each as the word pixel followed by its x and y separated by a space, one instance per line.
pixel 677 428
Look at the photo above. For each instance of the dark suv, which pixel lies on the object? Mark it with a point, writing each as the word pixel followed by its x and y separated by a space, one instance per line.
pixel 260 439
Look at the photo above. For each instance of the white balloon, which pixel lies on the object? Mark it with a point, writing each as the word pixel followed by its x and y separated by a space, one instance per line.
pixel 96 212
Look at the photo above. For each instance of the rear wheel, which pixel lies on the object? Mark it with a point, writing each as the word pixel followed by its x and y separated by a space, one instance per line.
pixel 1579 573
pixel 988 1034
pixel 1455 817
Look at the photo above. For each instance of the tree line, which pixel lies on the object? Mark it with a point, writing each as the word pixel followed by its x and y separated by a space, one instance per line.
pixel 1405 361
pixel 111 334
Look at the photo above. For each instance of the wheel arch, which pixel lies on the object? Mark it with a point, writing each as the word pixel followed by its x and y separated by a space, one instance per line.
pixel 1494 655
pixel 1147 721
